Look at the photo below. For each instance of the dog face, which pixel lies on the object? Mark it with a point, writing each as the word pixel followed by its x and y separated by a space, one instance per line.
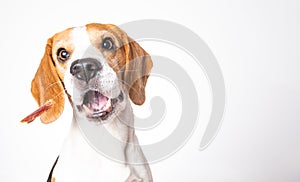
pixel 98 66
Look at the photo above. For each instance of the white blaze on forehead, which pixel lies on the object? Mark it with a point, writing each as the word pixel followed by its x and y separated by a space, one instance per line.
pixel 81 41
pixel 82 45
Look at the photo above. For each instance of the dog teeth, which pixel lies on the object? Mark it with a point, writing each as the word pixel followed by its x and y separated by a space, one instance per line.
pixel 86 109
pixel 107 106
pixel 101 114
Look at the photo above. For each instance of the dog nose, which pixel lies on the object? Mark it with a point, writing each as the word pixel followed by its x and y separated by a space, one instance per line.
pixel 85 69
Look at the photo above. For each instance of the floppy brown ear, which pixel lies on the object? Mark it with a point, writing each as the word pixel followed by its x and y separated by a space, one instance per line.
pixel 138 67
pixel 47 85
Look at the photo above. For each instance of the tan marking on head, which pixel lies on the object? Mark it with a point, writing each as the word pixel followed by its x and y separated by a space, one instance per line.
pixel 62 40
pixel 129 58
pixel 98 32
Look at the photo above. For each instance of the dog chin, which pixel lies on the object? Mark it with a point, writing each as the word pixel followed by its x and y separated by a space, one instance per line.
pixel 97 107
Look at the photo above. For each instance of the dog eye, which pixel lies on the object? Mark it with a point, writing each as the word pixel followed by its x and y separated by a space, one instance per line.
pixel 62 54
pixel 108 43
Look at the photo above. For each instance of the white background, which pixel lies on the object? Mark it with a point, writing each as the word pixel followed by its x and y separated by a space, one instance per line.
pixel 256 44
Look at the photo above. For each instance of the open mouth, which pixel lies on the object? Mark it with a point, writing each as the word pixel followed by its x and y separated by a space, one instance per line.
pixel 98 106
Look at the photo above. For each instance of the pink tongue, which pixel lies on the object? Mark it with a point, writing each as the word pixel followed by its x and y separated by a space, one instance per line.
pixel 99 101
pixel 96 102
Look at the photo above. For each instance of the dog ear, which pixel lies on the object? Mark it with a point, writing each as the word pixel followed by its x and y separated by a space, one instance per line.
pixel 137 70
pixel 47 85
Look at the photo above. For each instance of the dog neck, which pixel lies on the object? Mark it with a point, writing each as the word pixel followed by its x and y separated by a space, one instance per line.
pixel 92 147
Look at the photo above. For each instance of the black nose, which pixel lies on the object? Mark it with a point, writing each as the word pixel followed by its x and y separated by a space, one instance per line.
pixel 85 69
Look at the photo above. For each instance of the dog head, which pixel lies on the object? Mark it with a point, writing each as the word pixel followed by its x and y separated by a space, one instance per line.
pixel 98 67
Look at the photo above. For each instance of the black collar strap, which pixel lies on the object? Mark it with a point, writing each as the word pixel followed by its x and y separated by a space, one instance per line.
pixel 52 169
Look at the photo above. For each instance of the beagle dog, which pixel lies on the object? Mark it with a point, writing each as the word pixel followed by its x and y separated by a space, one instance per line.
pixel 99 69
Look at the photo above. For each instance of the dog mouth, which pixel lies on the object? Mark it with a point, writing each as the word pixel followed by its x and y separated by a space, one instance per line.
pixel 97 106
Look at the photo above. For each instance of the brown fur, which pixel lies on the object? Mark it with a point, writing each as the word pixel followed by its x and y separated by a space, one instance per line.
pixel 47 85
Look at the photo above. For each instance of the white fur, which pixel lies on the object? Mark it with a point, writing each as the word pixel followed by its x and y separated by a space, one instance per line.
pixel 78 161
